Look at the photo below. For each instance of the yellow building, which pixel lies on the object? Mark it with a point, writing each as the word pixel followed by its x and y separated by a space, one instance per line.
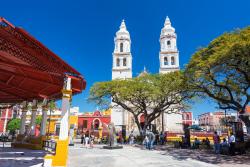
pixel 53 120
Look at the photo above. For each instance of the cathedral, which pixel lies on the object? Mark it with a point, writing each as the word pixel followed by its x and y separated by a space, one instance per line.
pixel 122 69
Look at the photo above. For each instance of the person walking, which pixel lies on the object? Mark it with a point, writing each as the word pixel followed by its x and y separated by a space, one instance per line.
pixel 146 141
pixel 231 142
pixel 216 139
pixel 83 139
pixel 91 141
pixel 86 141
pixel 151 140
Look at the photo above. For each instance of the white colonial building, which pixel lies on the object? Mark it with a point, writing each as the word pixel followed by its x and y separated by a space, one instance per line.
pixel 122 69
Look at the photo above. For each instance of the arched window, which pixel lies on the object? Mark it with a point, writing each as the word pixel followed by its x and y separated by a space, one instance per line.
pixel 172 61
pixel 168 43
pixel 187 117
pixel 165 61
pixel 121 47
pixel 117 62
pixel 124 62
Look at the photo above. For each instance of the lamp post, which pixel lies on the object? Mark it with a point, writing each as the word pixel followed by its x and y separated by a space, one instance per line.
pixel 226 121
pixel 162 122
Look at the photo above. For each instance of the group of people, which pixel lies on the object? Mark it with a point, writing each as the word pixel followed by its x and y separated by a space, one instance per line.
pixel 152 139
pixel 226 143
pixel 149 140
pixel 87 141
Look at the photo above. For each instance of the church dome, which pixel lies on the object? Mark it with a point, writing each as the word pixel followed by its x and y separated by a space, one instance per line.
pixel 123 32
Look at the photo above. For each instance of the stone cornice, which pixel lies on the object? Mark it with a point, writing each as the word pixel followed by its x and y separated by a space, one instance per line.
pixel 169 52
pixel 121 69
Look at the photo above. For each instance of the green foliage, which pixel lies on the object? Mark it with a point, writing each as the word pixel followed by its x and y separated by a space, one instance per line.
pixel 222 70
pixel 14 124
pixel 52 105
pixel 227 120
pixel 38 120
pixel 148 94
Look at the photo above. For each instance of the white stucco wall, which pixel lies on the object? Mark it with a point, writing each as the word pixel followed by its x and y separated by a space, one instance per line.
pixel 173 122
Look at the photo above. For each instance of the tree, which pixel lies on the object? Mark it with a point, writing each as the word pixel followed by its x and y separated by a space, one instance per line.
pixel 150 95
pixel 13 125
pixel 227 120
pixel 221 71
pixel 38 120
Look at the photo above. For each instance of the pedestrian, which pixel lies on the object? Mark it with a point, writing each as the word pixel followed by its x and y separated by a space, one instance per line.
pixel 83 139
pixel 216 139
pixel 162 138
pixel 207 142
pixel 146 142
pixel 86 141
pixel 196 144
pixel 157 138
pixel 151 140
pixel 131 138
pixel 232 144
pixel 91 141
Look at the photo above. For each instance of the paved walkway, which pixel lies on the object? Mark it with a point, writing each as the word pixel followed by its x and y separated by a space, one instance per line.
pixel 127 157
pixel 210 157
pixel 10 157
pixel 207 156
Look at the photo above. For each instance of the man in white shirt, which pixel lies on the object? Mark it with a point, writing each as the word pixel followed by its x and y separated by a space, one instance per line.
pixel 232 144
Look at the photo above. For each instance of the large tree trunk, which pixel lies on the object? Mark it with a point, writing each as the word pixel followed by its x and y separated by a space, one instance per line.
pixel 139 126
pixel 246 120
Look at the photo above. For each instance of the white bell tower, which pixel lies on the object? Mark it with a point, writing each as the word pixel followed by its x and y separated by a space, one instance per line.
pixel 122 58
pixel 122 69
pixel 169 54
pixel 169 61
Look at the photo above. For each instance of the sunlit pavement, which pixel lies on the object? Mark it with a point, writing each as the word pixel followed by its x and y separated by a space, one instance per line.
pixel 127 157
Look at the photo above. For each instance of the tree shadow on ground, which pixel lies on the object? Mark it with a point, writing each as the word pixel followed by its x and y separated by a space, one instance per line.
pixel 207 156
pixel 10 157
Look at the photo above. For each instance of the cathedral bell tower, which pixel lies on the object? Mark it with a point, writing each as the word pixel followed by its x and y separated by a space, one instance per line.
pixel 122 58
pixel 169 54
pixel 122 69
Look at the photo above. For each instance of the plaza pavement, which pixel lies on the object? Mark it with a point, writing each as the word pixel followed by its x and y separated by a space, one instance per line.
pixel 207 156
pixel 129 156
pixel 10 157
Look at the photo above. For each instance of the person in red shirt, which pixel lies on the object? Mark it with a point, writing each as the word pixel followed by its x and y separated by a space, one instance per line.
pixel 216 139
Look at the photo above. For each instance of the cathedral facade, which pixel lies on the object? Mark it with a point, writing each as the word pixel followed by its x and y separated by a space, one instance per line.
pixel 122 69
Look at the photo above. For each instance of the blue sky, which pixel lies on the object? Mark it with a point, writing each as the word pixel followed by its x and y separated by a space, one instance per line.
pixel 82 32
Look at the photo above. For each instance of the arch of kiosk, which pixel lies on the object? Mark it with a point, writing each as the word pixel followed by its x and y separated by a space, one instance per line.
pixel 30 72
